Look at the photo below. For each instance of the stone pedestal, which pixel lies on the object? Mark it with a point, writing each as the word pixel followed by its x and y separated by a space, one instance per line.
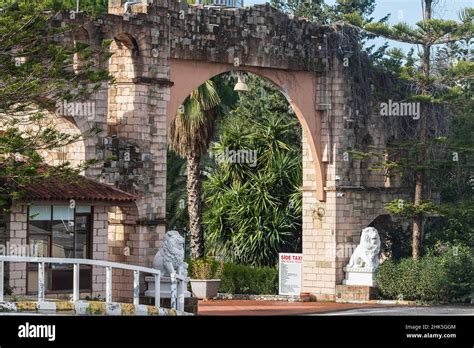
pixel 355 293
pixel 165 289
pixel 359 276
pixel 190 303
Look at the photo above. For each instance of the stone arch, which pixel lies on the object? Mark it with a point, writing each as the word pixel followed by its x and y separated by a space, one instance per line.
pixel 394 235
pixel 124 67
pixel 298 87
pixel 80 36
pixel 74 153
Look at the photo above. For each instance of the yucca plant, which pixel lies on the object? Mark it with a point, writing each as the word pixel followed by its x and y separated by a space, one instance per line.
pixel 253 212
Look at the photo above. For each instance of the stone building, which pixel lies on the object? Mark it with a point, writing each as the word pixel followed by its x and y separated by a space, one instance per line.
pixel 62 220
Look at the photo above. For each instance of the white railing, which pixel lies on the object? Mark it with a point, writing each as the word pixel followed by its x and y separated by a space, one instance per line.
pixel 178 281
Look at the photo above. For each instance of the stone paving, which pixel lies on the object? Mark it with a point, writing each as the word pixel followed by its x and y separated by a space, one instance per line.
pixel 254 307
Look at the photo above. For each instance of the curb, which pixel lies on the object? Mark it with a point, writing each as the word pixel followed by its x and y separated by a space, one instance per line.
pixel 382 302
pixel 87 308
pixel 283 298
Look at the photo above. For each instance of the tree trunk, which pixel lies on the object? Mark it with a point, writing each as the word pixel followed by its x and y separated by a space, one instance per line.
pixel 417 236
pixel 193 185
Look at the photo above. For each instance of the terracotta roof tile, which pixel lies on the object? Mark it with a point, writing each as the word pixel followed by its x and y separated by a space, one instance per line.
pixel 81 188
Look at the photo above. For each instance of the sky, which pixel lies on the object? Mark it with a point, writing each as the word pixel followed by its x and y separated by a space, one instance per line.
pixel 405 11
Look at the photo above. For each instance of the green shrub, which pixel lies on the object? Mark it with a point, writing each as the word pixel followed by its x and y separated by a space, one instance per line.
pixel 241 279
pixel 439 276
pixel 206 268
pixel 7 289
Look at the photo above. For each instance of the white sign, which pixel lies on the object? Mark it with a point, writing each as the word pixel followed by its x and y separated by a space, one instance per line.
pixel 289 273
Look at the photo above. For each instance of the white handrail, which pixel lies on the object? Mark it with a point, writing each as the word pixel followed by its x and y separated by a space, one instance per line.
pixel 177 297
pixel 80 261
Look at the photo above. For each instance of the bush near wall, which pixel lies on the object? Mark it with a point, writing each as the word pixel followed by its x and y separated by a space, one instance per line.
pixel 241 279
pixel 439 276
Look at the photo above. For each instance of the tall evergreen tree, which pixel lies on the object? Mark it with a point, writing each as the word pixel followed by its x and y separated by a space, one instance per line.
pixel 421 155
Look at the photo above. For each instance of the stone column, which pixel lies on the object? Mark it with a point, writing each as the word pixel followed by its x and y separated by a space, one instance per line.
pixel 17 235
pixel 318 234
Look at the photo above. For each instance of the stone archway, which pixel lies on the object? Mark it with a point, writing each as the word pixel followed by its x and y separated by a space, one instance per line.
pixel 169 49
pixel 297 87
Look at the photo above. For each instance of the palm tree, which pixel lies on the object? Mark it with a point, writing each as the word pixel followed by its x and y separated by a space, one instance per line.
pixel 190 135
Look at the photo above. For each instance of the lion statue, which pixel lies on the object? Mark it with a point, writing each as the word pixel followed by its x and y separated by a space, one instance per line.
pixel 366 255
pixel 170 258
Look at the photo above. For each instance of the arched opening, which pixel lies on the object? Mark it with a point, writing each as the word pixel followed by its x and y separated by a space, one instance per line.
pixel 298 87
pixel 72 149
pixel 124 69
pixel 74 152
pixel 81 40
pixel 395 236
pixel 252 171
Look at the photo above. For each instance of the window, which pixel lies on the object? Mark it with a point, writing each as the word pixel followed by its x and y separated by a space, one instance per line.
pixel 63 232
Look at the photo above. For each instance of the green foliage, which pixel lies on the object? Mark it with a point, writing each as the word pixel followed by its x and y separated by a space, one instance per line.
pixel 444 275
pixel 431 32
pixel 176 197
pixel 241 279
pixel 206 268
pixel 454 225
pixel 407 209
pixel 193 127
pixel 319 11
pixel 7 289
pixel 93 7
pixel 37 73
pixel 395 237
pixel 254 209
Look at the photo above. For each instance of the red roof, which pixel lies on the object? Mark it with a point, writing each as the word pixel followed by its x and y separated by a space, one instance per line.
pixel 80 188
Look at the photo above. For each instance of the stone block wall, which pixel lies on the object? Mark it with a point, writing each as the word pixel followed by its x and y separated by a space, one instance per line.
pixel 17 234
pixel 257 36
pixel 99 248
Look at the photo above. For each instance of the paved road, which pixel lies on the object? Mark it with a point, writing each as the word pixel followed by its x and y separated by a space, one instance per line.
pixel 408 310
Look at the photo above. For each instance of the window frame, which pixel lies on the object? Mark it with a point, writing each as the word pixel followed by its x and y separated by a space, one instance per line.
pixel 50 244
